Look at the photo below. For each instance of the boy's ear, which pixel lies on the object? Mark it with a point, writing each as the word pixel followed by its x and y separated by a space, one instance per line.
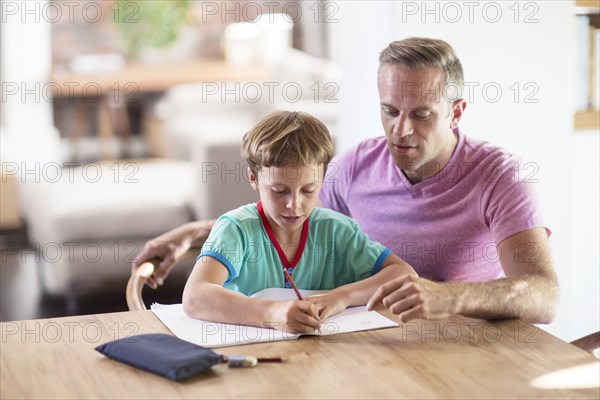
pixel 253 179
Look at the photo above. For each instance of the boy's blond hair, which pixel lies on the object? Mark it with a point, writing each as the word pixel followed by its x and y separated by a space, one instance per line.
pixel 287 138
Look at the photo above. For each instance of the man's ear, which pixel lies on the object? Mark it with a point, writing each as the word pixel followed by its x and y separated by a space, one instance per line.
pixel 253 179
pixel 458 109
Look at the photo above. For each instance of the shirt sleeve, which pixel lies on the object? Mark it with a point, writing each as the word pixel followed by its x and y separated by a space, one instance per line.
pixel 362 257
pixel 225 244
pixel 336 183
pixel 511 200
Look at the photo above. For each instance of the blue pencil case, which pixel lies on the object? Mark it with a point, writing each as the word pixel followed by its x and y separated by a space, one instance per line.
pixel 162 354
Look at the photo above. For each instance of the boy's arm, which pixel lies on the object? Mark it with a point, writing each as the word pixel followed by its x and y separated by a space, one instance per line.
pixel 359 293
pixel 205 298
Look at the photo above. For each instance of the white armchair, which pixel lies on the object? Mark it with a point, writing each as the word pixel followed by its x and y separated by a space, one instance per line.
pixel 187 113
pixel 87 223
pixel 87 226
pixel 225 110
pixel 87 230
pixel 221 180
pixel 320 82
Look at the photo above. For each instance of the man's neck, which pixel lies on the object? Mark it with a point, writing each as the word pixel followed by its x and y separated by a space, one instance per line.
pixel 433 167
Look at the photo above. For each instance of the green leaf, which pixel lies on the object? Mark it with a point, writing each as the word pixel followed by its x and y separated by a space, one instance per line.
pixel 150 23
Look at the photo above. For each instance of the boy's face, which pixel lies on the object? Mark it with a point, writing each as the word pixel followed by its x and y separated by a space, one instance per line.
pixel 289 194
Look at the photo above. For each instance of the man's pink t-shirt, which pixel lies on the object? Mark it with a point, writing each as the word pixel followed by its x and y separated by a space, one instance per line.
pixel 446 227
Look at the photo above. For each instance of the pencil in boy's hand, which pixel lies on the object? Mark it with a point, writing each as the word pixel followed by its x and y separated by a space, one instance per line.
pixel 291 281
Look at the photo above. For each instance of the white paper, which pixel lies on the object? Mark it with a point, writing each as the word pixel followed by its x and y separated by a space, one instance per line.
pixel 213 334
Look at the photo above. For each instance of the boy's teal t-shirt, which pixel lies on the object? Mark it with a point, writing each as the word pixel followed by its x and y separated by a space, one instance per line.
pixel 336 252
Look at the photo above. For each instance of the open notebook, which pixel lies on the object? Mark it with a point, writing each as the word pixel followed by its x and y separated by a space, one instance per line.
pixel 213 334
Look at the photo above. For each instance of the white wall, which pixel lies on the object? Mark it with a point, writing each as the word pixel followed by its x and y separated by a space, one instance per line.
pixel 360 32
pixel 530 48
pixel 25 62
pixel 584 261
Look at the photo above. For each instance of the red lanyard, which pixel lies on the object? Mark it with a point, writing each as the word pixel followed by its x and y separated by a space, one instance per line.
pixel 286 264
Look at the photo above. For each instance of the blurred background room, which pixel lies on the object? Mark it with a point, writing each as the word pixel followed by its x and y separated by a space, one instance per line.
pixel 121 120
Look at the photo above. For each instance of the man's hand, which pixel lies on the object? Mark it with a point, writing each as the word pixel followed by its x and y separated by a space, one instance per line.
pixel 411 297
pixel 169 247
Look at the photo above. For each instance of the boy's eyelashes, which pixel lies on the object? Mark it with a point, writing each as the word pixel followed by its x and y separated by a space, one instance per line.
pixel 284 191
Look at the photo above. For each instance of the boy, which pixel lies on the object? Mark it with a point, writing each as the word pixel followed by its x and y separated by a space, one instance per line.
pixel 248 248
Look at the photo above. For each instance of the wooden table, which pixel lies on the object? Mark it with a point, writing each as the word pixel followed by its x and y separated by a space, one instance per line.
pixel 454 358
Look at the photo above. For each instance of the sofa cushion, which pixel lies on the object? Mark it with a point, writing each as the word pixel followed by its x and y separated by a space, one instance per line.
pixel 181 132
pixel 100 201
pixel 222 182
pixel 77 267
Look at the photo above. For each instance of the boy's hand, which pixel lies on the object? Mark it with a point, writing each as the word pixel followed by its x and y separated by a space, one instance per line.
pixel 328 304
pixel 295 316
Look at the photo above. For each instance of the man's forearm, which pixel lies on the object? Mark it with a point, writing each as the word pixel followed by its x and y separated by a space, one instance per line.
pixel 197 232
pixel 531 297
pixel 530 289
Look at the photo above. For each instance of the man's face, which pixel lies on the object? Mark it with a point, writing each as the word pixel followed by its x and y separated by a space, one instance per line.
pixel 417 120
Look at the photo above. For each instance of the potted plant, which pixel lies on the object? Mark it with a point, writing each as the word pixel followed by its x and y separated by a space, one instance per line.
pixel 150 24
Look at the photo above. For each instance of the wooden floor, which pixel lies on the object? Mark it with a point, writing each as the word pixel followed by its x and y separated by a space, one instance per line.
pixel 21 296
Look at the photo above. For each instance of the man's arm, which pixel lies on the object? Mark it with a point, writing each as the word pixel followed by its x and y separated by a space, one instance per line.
pixel 170 246
pixel 529 290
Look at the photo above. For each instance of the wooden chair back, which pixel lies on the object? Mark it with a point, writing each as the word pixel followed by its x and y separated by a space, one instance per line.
pixel 138 278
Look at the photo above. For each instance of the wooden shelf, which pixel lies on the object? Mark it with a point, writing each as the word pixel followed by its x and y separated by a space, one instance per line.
pixel 588 3
pixel 138 77
pixel 10 217
pixel 589 119
pixel 590 8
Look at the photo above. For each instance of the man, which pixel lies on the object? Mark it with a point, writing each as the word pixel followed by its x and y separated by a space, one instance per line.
pixel 456 209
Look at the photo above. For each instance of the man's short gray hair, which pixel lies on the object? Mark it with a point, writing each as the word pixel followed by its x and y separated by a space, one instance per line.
pixel 416 53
